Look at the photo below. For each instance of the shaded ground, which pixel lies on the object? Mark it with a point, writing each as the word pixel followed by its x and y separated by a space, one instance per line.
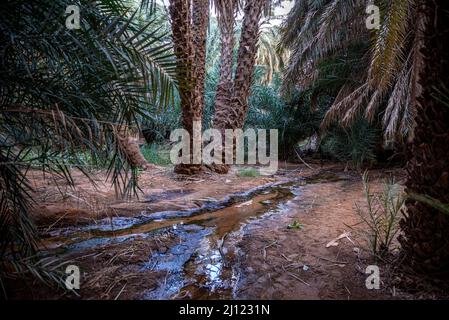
pixel 60 205
pixel 292 264
pixel 209 237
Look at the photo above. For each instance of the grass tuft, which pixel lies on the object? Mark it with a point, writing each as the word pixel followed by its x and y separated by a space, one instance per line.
pixel 248 172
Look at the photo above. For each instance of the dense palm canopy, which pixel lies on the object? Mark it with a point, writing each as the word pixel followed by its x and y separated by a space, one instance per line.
pixel 391 75
pixel 71 98
pixel 67 93
pixel 320 35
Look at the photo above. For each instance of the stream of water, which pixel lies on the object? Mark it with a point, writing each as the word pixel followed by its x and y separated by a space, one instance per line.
pixel 202 265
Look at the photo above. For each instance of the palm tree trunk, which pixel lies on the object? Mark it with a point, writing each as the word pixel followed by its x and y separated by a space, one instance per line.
pixel 245 61
pixel 425 239
pixel 232 97
pixel 226 24
pixel 189 27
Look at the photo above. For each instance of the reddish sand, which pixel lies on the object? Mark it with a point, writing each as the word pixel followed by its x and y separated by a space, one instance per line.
pixel 275 262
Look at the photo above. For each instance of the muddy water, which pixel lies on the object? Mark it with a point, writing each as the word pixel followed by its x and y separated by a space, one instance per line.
pixel 203 263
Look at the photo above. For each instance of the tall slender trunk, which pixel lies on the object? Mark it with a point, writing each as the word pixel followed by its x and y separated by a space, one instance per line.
pixel 245 61
pixel 189 26
pixel 200 23
pixel 129 146
pixel 425 239
pixel 232 96
pixel 226 23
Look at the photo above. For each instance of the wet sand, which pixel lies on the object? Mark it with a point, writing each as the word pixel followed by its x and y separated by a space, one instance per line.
pixel 213 237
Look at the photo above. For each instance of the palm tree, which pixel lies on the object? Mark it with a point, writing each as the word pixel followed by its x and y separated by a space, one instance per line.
pixel 226 11
pixel 403 70
pixel 66 94
pixel 316 32
pixel 226 16
pixel 231 105
pixel 269 57
pixel 190 19
pixel 425 239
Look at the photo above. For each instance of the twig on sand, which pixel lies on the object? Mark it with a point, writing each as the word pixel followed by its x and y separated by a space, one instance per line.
pixel 56 222
pixel 295 276
pixel 266 247
pixel 118 295
pixel 334 242
pixel 302 160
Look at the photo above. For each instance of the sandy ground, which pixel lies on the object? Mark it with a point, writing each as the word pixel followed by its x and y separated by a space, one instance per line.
pixel 296 264
pixel 60 204
pixel 275 262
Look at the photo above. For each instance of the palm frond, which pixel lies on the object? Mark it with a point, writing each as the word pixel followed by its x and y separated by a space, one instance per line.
pixel 64 92
pixel 317 31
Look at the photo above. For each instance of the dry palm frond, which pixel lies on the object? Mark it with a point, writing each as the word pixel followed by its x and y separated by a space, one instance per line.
pixel 61 95
pixel 389 44
pixel 399 103
pixel 317 30
pixel 268 56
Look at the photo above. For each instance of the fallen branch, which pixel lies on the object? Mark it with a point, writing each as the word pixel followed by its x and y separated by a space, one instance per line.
pixel 302 160
pixel 297 278
pixel 264 250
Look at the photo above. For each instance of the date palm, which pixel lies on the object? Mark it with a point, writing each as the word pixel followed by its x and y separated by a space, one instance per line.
pixel 316 31
pixel 226 16
pixel 67 94
pixel 231 106
pixel 425 239
pixel 403 69
pixel 189 22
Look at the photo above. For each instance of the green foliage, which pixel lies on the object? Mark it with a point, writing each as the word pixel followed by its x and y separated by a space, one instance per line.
pixel 382 215
pixel 295 225
pixel 248 172
pixel 65 93
pixel 356 144
pixel 156 154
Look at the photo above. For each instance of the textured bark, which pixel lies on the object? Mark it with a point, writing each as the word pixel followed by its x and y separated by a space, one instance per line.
pixel 232 96
pixel 245 62
pixel 189 26
pixel 425 239
pixel 226 23
pixel 200 12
